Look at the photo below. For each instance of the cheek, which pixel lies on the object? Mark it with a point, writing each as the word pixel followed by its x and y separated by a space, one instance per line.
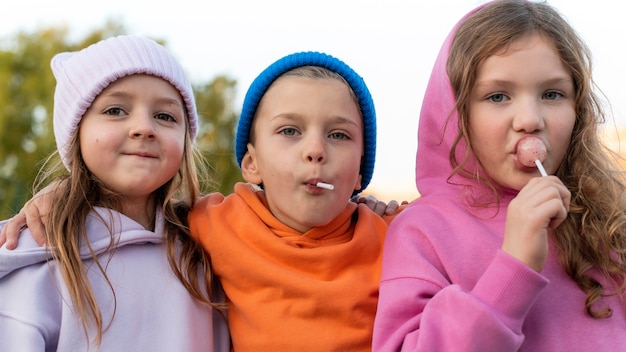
pixel 480 141
pixel 561 142
pixel 175 150
pixel 350 170
pixel 89 144
pixel 562 134
pixel 173 142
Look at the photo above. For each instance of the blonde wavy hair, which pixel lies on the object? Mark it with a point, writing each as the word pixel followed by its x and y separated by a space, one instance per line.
pixel 592 240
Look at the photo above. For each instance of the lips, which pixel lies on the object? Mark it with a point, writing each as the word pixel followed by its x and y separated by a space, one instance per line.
pixel 141 154
pixel 314 181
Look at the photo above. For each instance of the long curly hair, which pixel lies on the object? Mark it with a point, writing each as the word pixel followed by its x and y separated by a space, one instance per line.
pixel 592 240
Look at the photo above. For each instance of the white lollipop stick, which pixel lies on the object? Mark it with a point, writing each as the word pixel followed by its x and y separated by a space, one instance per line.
pixel 325 185
pixel 542 171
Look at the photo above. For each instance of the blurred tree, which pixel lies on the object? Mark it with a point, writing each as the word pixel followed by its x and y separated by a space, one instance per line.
pixel 26 102
pixel 218 121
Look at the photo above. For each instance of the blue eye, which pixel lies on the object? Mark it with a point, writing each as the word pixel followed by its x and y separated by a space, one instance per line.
pixel 552 95
pixel 338 135
pixel 497 98
pixel 288 131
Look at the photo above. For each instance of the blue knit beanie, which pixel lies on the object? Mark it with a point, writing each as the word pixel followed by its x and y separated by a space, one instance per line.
pixel 260 85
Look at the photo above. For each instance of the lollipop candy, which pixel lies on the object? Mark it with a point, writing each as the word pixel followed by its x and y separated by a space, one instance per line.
pixel 531 151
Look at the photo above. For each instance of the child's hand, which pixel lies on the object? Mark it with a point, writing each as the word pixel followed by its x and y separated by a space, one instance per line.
pixel 11 230
pixel 539 207
pixel 379 207
pixel 31 215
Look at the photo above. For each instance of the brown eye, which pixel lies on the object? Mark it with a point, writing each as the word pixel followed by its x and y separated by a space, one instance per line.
pixel 164 117
pixel 114 111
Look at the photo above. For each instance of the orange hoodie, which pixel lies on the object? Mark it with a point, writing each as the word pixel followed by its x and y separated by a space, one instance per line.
pixel 290 291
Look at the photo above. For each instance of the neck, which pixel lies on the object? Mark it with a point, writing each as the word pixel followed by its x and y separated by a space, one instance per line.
pixel 142 212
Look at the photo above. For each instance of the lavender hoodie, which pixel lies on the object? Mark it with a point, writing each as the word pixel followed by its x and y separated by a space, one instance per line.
pixel 154 311
pixel 447 286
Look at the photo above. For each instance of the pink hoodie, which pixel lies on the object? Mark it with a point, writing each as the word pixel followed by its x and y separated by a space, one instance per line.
pixel 447 286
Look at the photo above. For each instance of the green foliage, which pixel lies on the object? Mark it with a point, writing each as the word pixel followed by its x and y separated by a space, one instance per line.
pixel 26 103
pixel 216 136
pixel 25 111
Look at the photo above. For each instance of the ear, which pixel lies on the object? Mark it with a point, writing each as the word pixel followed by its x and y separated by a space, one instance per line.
pixel 357 186
pixel 249 168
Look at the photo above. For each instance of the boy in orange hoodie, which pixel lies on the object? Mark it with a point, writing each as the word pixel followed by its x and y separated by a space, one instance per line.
pixel 299 263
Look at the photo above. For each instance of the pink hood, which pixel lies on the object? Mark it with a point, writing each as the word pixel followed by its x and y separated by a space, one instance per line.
pixel 438 127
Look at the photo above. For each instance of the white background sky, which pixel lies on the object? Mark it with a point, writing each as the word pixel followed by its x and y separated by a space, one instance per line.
pixel 391 43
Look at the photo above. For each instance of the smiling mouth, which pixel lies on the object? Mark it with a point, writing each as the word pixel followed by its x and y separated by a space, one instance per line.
pixel 142 155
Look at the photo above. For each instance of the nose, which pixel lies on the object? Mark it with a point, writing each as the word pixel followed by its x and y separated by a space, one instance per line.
pixel 529 116
pixel 315 149
pixel 142 126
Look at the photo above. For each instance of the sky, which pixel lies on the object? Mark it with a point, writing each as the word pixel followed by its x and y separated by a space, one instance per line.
pixel 392 44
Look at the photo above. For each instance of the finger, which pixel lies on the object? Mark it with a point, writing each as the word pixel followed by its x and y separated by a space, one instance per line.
pixel 380 208
pixel 3 236
pixel 357 199
pixel 566 197
pixel 35 221
pixel 377 206
pixel 392 207
pixel 560 215
pixel 12 228
pixel 551 203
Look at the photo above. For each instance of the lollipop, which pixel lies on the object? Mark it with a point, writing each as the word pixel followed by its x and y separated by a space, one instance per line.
pixel 531 151
pixel 325 185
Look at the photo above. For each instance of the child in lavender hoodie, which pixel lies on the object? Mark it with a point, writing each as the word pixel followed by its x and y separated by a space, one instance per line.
pixel 493 257
pixel 120 272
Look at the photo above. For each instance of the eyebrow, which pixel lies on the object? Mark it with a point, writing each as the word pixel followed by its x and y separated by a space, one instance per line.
pixel 503 82
pixel 345 120
pixel 298 117
pixel 161 100
pixel 171 101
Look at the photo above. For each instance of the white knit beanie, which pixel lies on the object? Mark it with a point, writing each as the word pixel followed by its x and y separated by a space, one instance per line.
pixel 82 75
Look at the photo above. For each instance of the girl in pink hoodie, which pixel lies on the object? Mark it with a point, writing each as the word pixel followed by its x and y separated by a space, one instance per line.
pixel 494 257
